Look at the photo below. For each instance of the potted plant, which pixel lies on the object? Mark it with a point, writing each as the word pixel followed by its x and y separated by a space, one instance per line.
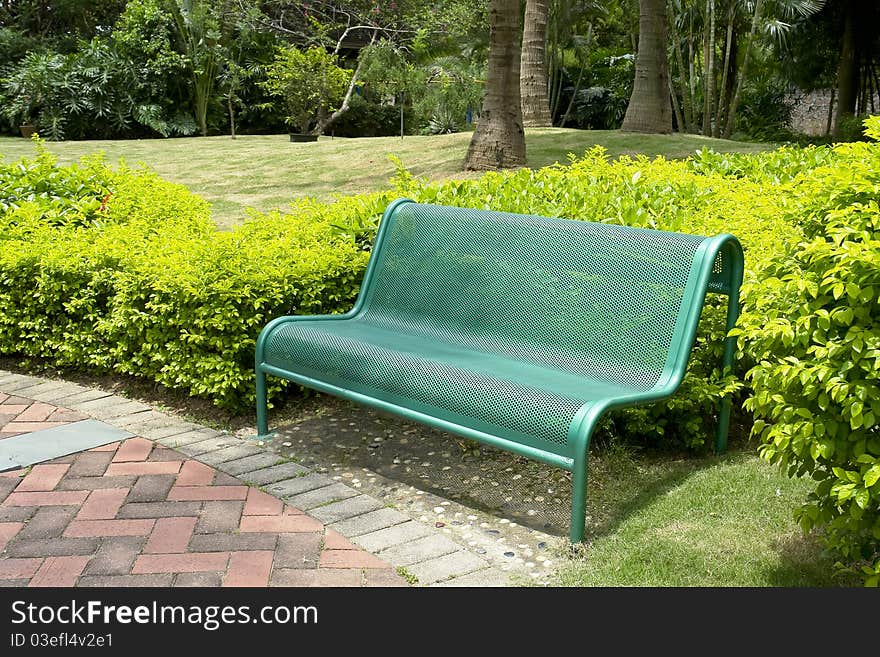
pixel 309 84
pixel 18 109
pixel 23 94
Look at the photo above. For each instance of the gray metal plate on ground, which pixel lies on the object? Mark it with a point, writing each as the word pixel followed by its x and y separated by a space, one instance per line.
pixel 47 444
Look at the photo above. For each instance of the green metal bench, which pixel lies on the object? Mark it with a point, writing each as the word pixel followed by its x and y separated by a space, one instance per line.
pixel 517 331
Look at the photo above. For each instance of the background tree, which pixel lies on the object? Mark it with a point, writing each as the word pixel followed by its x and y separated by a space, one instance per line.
pixel 309 84
pixel 199 38
pixel 390 71
pixel 856 72
pixel 649 108
pixel 499 140
pixel 533 66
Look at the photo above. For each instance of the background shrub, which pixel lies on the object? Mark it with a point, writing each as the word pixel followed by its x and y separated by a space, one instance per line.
pixel 812 324
pixel 129 275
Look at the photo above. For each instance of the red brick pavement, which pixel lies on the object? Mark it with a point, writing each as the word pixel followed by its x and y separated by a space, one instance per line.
pixel 136 514
pixel 19 415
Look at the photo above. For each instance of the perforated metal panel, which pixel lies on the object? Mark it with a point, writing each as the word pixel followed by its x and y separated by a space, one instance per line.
pixel 504 323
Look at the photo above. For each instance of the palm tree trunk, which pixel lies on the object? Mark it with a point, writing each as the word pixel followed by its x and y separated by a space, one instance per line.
pixel 725 68
pixel 498 140
pixel 691 73
pixel 687 106
pixel 533 66
pixel 848 70
pixel 709 69
pixel 649 108
pixel 731 118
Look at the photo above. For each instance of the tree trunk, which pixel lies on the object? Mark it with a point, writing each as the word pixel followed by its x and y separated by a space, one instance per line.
pixel 847 71
pixel 830 113
pixel 577 85
pixel 709 69
pixel 687 107
pixel 533 66
pixel 498 140
pixel 325 121
pixel 725 69
pixel 731 118
pixel 691 73
pixel 231 108
pixel 649 108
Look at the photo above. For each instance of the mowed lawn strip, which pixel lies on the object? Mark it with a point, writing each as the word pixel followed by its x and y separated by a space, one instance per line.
pixel 266 172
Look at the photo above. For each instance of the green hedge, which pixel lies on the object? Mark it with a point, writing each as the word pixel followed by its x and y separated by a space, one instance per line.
pixel 812 324
pixel 135 279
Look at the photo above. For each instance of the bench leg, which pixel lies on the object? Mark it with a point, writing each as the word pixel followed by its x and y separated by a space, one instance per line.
pixel 262 405
pixel 726 368
pixel 578 498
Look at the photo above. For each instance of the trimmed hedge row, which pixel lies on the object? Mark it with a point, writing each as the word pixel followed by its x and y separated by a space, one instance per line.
pixel 139 282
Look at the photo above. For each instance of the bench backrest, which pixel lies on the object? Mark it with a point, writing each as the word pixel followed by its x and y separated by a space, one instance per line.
pixel 610 303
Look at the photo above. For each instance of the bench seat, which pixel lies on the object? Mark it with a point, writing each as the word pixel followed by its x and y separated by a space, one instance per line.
pixel 515 330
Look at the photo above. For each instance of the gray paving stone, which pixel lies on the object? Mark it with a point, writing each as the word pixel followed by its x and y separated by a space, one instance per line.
pixel 249 463
pixel 140 419
pixel 189 438
pixel 131 421
pixel 116 555
pixel 487 577
pixel 151 488
pixel 385 538
pixel 118 410
pixel 223 542
pixel 167 428
pixel 95 403
pixel 20 382
pixel 419 550
pixel 62 394
pixel 275 473
pixel 322 496
pixel 349 508
pixel 45 390
pixel 17 513
pixel 8 377
pixel 300 550
pixel 89 394
pixel 210 445
pixel 219 516
pixel 445 567
pixel 199 580
pixel 159 509
pixel 162 580
pixel 92 483
pixel 231 453
pixel 297 485
pixel 56 547
pixel 369 522
pixel 27 449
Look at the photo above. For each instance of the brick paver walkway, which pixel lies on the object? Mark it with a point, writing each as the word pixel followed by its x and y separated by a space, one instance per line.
pixel 136 513
pixel 20 415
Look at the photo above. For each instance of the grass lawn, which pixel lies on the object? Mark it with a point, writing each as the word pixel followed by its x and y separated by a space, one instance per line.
pixel 724 522
pixel 268 171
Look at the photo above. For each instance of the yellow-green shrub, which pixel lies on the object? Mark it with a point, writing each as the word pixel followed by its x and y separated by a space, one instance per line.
pixel 812 325
pixel 143 284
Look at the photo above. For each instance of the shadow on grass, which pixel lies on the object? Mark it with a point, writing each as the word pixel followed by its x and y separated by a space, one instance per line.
pixel 805 563
pixel 623 481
